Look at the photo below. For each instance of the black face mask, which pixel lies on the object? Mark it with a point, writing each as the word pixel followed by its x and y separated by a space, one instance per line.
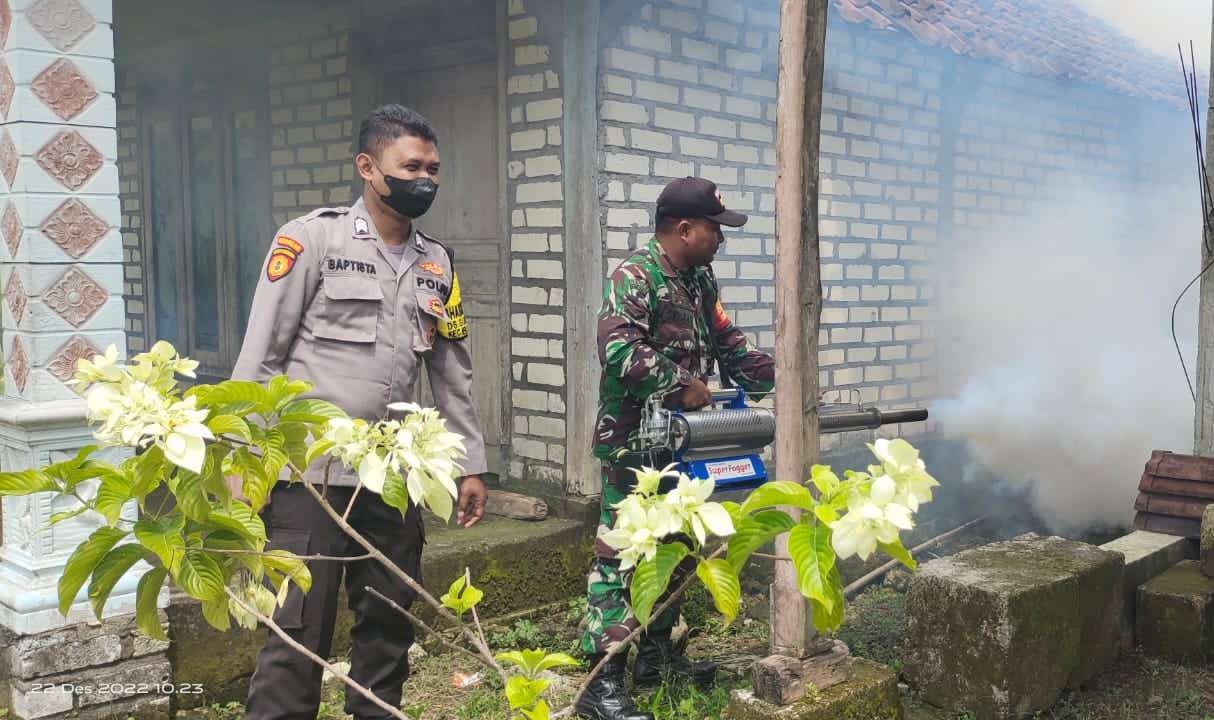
pixel 411 198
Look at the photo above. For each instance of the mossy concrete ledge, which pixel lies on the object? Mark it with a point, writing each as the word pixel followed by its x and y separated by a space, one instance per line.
pixel 1176 615
pixel 518 564
pixel 1206 543
pixel 1001 630
pixel 870 694
pixel 1146 554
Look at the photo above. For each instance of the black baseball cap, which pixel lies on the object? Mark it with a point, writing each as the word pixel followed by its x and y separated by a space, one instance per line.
pixel 693 197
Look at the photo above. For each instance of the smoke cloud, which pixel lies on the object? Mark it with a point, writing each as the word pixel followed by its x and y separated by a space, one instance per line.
pixel 1065 372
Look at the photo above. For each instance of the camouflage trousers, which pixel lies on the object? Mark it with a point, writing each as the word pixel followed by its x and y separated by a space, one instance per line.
pixel 609 618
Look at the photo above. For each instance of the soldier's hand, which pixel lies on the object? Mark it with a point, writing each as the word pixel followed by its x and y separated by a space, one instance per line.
pixel 472 497
pixel 696 395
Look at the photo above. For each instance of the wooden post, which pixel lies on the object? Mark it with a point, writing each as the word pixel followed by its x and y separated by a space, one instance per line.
pixel 1203 416
pixel 798 289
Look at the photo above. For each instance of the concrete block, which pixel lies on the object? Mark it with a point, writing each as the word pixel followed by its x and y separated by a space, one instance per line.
pixel 1002 630
pixel 1207 541
pixel 1146 554
pixel 1175 615
pixel 871 694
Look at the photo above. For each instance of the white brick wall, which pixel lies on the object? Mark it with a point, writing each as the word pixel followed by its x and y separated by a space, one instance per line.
pixel 535 196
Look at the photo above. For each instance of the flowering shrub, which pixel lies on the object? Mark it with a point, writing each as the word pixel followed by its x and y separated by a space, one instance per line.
pixel 212 544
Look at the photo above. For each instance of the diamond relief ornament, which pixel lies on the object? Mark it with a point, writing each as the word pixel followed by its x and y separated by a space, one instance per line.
pixel 63 364
pixel 8 158
pixel 62 22
pixel 14 295
pixel 76 297
pixel 74 227
pixel 70 159
pixel 10 228
pixel 62 88
pixel 18 364
pixel 6 22
pixel 7 88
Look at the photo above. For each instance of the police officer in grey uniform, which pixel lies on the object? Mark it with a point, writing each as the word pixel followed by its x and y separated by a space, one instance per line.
pixel 356 300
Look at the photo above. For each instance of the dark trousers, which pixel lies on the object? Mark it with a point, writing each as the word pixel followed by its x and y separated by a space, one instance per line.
pixel 286 684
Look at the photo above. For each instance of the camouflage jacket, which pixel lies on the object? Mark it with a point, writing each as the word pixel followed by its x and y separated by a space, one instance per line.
pixel 654 337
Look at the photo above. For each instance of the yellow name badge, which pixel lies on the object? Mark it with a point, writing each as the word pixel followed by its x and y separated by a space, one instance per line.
pixel 455 327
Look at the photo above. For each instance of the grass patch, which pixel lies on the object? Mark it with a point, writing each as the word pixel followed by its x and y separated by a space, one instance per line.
pixel 874 626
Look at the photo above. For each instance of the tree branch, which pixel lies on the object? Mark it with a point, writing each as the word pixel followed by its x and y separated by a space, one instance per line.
pixel 269 622
pixel 417 621
pixel 473 641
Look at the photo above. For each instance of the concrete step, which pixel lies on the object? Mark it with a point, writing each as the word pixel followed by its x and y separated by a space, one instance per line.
pixel 1147 554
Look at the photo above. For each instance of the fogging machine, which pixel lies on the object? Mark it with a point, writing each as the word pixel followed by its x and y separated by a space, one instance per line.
pixel 724 441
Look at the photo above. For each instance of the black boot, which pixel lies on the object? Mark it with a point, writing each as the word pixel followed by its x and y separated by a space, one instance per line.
pixel 606 697
pixel 658 659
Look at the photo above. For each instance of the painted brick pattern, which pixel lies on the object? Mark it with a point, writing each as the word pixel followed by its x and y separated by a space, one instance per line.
pixel 312 120
pixel 535 201
pixel 131 202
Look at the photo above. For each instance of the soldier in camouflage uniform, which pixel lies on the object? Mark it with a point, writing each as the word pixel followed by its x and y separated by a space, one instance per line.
pixel 660 327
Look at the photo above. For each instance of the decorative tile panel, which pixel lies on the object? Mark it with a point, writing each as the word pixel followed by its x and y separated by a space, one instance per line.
pixel 70 159
pixel 14 295
pixel 76 297
pixel 6 22
pixel 62 22
pixel 18 363
pixel 63 89
pixel 63 364
pixel 74 227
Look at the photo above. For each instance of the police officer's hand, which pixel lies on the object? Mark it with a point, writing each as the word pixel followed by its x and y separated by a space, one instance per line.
pixel 696 395
pixel 472 497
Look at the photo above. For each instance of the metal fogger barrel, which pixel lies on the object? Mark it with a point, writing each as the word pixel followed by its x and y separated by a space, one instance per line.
pixel 723 443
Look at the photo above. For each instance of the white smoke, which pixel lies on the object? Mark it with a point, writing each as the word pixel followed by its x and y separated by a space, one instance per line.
pixel 1062 357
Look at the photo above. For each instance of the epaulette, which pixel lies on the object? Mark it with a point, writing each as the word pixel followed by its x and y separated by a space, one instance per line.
pixel 325 212
pixel 447 249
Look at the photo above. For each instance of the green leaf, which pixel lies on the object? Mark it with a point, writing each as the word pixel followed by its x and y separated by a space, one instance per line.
pixel 898 551
pixel 147 616
pixel 539 712
pixel 288 564
pixel 162 536
pixel 826 513
pixel 200 576
pixel 461 596
pixel 753 532
pixel 780 492
pixel 83 561
pixel 233 397
pixel 66 514
pixel 812 556
pixel 193 501
pixel 828 617
pixel 317 449
pixel 256 483
pixel 310 411
pixel 230 425
pixel 522 692
pixel 555 660
pixel 651 578
pixel 722 583
pixel 273 455
pixel 734 510
pixel 148 471
pixel 282 390
pixel 824 479
pixel 395 493
pixel 240 519
pixel 26 482
pixel 109 571
pixel 112 494
pixel 295 442
pixel 250 550
pixel 215 612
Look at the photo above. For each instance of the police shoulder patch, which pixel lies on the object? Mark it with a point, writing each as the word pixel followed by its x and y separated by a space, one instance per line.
pixel 280 263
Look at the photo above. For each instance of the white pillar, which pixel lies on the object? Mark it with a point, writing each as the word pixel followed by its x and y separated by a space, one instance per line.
pixel 61 277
